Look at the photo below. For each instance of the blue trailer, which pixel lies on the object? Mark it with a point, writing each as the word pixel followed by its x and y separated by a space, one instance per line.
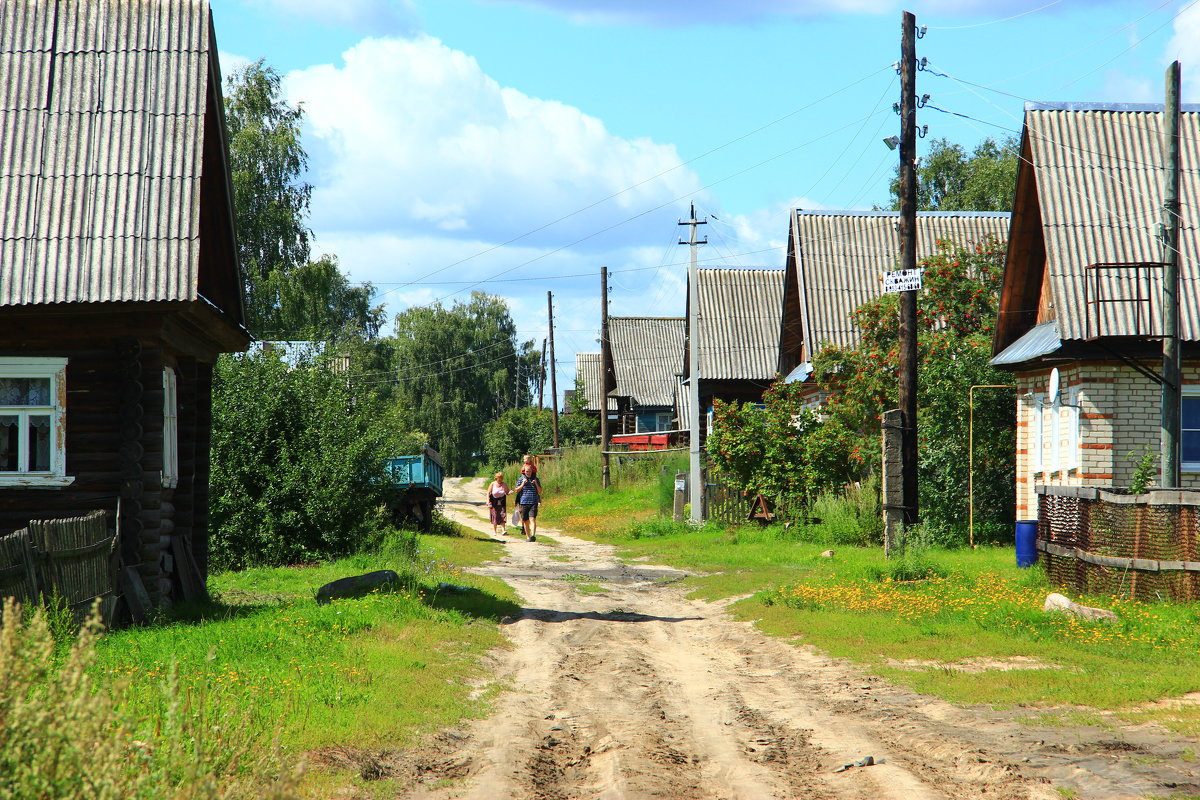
pixel 415 484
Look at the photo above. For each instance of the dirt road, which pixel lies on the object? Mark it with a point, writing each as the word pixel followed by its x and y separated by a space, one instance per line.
pixel 638 692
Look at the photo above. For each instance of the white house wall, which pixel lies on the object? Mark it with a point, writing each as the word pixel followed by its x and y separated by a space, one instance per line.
pixel 1094 435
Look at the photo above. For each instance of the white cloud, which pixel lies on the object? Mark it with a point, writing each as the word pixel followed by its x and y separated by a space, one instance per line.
pixel 411 137
pixel 379 17
pixel 427 173
pixel 232 62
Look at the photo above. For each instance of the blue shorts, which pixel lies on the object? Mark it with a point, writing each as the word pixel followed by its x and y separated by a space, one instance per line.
pixel 528 512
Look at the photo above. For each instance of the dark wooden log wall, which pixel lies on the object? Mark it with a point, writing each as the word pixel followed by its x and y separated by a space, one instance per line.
pixel 114 424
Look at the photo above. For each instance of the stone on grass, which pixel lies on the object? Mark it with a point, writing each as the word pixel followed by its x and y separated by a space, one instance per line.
pixel 827 554
pixel 1060 604
pixel 356 585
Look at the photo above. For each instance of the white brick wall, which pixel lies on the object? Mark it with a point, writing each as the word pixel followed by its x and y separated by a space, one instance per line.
pixel 1118 415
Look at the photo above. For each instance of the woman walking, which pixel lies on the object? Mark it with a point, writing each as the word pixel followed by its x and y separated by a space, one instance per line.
pixel 529 494
pixel 497 498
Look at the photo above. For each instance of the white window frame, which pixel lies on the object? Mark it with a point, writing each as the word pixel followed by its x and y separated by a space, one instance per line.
pixel 170 429
pixel 1036 438
pixel 1070 437
pixel 56 370
pixel 1188 390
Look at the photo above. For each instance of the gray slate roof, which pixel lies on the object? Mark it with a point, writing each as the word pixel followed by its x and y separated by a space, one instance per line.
pixel 102 116
pixel 838 259
pixel 740 311
pixel 587 367
pixel 647 354
pixel 1100 190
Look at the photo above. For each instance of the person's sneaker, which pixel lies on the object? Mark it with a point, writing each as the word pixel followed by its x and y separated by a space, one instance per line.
pixel 531 539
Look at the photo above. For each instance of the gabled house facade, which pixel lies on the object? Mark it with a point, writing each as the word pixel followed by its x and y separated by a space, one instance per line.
pixel 738 329
pixel 646 355
pixel 836 261
pixel 119 278
pixel 1080 309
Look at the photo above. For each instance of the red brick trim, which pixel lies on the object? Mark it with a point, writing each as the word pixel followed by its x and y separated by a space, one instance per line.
pixel 1098 416
pixel 1100 446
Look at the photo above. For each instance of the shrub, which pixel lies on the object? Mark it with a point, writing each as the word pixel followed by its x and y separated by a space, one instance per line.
pixel 64 737
pixel 297 463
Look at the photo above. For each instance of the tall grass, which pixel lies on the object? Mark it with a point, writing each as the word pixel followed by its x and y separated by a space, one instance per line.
pixel 66 736
pixel 577 469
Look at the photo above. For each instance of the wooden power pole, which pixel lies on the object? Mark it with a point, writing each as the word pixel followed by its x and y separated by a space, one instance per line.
pixel 553 366
pixel 1170 414
pixel 696 479
pixel 604 372
pixel 908 260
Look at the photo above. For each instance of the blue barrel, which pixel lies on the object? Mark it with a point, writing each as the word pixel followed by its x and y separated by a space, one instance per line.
pixel 1027 554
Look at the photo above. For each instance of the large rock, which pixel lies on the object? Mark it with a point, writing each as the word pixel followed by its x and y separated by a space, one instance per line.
pixel 1060 604
pixel 356 585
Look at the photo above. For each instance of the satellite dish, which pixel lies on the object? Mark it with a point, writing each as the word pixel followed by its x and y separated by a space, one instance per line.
pixel 1052 389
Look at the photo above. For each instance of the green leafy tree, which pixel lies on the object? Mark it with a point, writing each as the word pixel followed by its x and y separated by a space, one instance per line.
pixel 296 463
pixel 577 429
pixel 516 432
pixel 781 450
pixel 270 198
pixel 316 302
pixel 455 369
pixel 950 179
pixel 956 314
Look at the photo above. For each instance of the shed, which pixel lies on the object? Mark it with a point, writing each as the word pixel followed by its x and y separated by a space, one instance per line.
pixel 1081 300
pixel 119 278
pixel 836 261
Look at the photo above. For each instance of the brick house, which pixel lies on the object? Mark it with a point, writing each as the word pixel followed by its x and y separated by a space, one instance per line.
pixel 1080 308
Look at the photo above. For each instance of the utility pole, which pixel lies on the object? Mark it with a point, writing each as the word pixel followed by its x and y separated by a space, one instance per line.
pixel 604 368
pixel 553 366
pixel 542 379
pixel 908 260
pixel 695 482
pixel 1170 415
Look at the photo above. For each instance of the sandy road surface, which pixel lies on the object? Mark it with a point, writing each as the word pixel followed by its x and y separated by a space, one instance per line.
pixel 641 693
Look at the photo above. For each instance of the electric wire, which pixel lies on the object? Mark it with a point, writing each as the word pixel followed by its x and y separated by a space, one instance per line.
pixel 995 21
pixel 659 207
pixel 680 165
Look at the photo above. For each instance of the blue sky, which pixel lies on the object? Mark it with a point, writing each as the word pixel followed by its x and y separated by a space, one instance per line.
pixel 516 146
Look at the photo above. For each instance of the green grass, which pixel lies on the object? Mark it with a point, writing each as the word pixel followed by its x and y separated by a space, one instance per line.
pixel 933 609
pixel 372 671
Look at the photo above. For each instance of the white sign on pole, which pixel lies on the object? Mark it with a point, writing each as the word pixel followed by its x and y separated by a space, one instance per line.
pixel 902 280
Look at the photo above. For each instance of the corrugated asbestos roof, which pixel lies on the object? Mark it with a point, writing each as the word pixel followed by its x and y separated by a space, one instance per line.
pixel 1099 175
pixel 842 256
pixel 587 367
pixel 647 354
pixel 101 127
pixel 740 311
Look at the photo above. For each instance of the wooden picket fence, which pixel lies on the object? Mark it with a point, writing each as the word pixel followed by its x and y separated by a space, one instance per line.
pixel 71 559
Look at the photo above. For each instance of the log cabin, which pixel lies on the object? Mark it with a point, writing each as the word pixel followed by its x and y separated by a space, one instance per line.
pixel 119 277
